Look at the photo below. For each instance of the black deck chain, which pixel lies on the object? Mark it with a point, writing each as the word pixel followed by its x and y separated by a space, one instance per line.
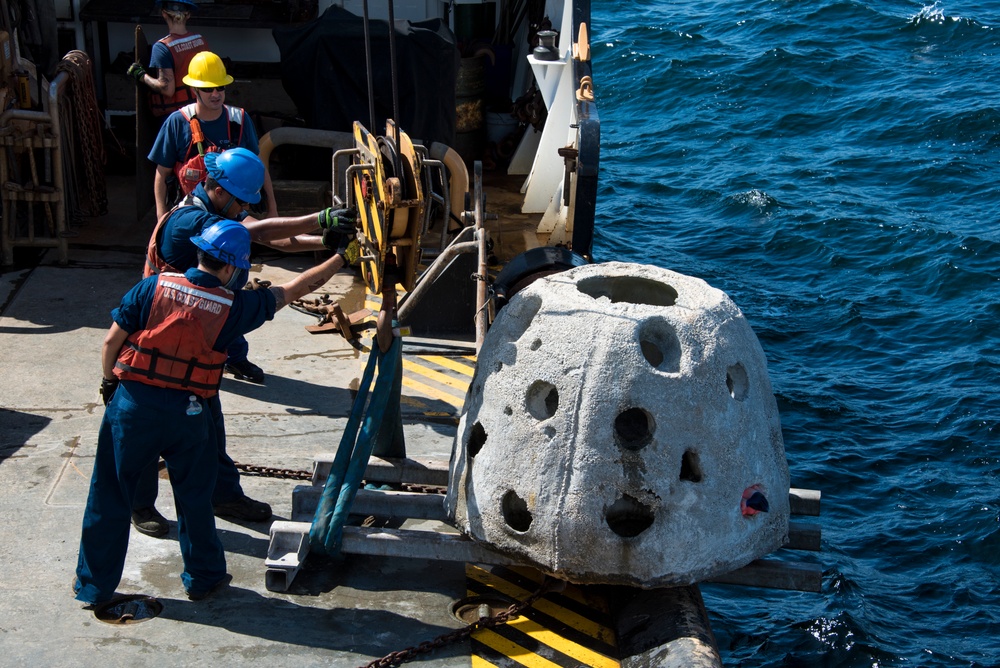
pixel 410 653
pixel 499 619
pixel 271 472
pixel 293 474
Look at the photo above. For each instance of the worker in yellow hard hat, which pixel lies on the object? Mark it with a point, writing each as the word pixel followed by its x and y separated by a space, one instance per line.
pixel 208 125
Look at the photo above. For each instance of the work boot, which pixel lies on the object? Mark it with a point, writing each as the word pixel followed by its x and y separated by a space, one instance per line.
pixel 150 522
pixel 246 370
pixel 202 595
pixel 244 508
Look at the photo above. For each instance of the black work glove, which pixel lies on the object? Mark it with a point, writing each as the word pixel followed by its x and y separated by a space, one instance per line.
pixel 342 219
pixel 344 245
pixel 392 273
pixel 108 388
pixel 137 72
pixel 337 240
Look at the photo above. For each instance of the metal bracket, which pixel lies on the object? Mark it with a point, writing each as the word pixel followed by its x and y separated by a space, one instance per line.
pixel 286 553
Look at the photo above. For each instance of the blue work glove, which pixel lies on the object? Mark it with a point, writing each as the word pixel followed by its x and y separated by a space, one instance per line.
pixel 137 72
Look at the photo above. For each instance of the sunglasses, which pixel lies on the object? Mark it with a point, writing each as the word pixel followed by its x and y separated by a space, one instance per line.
pixel 221 89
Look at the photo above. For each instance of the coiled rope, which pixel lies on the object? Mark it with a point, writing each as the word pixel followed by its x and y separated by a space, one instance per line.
pixel 82 139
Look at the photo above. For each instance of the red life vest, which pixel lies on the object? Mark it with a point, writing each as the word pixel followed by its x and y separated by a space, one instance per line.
pixel 183 48
pixel 175 348
pixel 191 172
pixel 155 264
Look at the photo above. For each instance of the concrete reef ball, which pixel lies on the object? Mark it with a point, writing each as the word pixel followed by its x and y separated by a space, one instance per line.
pixel 618 429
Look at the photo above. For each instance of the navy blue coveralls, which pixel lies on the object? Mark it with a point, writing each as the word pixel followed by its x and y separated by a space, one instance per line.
pixel 178 251
pixel 142 423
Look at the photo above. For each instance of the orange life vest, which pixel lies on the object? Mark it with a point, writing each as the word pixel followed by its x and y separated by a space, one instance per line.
pixel 175 349
pixel 183 48
pixel 155 264
pixel 191 172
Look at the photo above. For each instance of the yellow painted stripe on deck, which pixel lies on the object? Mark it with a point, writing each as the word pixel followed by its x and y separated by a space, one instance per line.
pixel 449 363
pixel 512 650
pixel 433 392
pixel 417 404
pixel 570 592
pixel 423 388
pixel 480 662
pixel 459 384
pixel 568 617
pixel 584 655
pixel 374 303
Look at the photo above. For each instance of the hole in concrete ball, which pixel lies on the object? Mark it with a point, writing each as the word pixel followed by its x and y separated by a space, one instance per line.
pixel 515 512
pixel 507 410
pixel 477 439
pixel 634 429
pixel 628 289
pixel 536 344
pixel 628 517
pixel 691 466
pixel 651 352
pixel 542 400
pixel 660 346
pixel 737 382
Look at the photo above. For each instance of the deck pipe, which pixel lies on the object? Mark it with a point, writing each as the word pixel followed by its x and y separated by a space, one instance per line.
pixel 663 628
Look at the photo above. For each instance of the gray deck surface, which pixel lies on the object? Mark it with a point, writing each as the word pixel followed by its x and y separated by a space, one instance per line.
pixel 343 613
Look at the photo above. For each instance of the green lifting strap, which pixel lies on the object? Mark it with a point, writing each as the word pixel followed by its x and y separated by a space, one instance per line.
pixel 352 456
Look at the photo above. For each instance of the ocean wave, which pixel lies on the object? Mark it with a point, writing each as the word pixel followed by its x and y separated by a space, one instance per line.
pixel 831 166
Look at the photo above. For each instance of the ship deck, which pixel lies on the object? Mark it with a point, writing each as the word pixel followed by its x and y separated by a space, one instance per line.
pixel 337 612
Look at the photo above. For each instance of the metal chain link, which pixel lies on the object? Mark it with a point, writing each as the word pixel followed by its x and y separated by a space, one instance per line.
pixel 293 474
pixel 271 472
pixel 499 619
pixel 408 654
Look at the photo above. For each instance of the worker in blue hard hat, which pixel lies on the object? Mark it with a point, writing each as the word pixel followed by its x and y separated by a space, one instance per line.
pixel 234 181
pixel 169 60
pixel 162 363
pixel 206 126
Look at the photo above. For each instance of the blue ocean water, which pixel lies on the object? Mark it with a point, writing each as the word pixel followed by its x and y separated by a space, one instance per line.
pixel 833 166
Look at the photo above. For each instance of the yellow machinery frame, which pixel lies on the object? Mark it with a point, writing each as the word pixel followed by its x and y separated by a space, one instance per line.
pixel 390 206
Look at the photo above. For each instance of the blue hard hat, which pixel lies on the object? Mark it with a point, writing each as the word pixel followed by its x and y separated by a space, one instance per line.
pixel 227 241
pixel 239 171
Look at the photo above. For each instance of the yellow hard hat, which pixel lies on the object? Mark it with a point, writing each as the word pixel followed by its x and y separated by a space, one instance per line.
pixel 207 71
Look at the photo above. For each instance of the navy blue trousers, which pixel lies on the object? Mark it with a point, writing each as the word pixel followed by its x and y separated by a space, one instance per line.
pixel 227 484
pixel 238 349
pixel 132 437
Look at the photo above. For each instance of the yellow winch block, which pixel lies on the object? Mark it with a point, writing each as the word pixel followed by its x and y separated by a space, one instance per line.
pixel 390 199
